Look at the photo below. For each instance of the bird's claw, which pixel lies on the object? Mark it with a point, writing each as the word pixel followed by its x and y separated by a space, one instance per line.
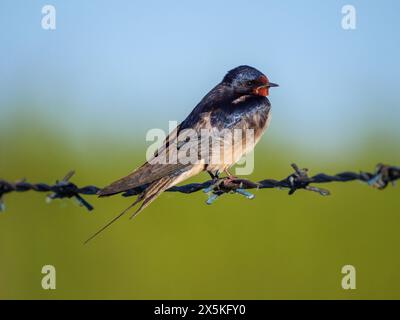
pixel 231 184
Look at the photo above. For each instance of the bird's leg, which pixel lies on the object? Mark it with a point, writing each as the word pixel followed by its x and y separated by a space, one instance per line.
pixel 229 184
pixel 230 175
pixel 214 190
pixel 215 182
pixel 213 175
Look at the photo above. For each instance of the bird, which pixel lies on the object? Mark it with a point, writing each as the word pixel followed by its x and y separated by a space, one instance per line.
pixel 239 101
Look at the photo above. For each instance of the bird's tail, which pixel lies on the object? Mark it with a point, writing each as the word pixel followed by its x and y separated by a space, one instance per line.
pixel 153 191
pixel 147 197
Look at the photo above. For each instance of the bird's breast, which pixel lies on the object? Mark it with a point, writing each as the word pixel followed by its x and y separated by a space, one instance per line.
pixel 247 121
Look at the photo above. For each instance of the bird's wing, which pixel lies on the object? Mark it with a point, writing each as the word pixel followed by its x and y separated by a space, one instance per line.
pixel 165 160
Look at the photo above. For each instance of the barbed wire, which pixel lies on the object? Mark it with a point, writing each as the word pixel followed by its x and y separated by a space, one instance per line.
pixel 299 179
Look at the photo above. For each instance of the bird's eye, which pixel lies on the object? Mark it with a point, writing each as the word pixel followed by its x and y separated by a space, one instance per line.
pixel 250 83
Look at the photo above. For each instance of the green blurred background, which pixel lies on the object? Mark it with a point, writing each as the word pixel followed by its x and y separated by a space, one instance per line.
pixel 82 97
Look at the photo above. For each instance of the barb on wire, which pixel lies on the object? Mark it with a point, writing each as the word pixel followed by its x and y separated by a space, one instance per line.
pixel 299 179
pixel 61 189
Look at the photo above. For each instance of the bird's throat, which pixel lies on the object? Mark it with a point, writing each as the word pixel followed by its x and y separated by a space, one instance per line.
pixel 261 91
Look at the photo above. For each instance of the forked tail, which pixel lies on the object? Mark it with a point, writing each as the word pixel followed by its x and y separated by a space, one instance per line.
pixel 147 197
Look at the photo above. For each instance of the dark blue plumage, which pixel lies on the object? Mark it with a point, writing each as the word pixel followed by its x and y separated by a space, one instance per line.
pixel 240 74
pixel 223 101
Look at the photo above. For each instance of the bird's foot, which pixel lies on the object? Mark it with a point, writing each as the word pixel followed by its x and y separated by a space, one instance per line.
pixel 231 184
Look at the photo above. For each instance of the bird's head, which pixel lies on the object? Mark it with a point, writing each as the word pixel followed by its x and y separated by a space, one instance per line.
pixel 248 80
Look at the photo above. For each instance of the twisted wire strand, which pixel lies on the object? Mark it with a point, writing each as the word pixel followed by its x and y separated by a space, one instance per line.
pixel 299 179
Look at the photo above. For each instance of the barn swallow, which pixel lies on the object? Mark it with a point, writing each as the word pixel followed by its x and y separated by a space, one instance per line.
pixel 239 101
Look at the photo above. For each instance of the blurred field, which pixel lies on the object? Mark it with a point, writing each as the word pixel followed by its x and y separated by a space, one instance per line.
pixel 273 247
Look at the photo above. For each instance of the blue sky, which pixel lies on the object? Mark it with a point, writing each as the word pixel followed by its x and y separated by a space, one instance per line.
pixel 118 67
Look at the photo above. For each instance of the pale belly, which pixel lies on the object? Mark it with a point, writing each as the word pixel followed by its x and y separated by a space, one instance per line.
pixel 232 150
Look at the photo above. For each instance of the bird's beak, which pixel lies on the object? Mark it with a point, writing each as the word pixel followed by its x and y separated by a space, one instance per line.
pixel 269 85
pixel 263 90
